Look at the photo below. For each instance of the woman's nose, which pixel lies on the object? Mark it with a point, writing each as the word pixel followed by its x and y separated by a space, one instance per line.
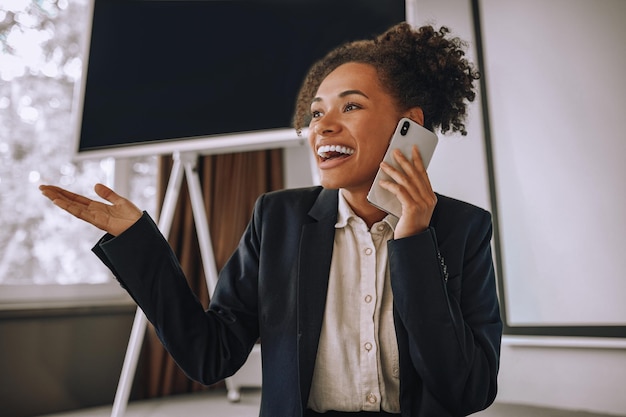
pixel 327 125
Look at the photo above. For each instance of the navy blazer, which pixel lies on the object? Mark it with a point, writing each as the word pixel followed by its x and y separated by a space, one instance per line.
pixel 274 287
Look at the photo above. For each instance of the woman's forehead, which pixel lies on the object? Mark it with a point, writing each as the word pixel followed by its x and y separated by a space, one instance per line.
pixel 351 77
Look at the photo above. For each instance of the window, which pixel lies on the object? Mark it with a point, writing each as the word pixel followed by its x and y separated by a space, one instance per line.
pixel 43 249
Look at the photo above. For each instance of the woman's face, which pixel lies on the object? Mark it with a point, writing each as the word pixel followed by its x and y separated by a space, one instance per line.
pixel 353 119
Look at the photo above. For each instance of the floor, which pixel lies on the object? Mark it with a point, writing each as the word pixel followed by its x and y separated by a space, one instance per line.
pixel 215 403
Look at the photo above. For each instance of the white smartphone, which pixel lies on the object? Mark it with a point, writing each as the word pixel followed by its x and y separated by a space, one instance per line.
pixel 407 134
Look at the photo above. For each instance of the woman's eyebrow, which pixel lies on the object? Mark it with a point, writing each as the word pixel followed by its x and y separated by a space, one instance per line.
pixel 344 94
pixel 351 92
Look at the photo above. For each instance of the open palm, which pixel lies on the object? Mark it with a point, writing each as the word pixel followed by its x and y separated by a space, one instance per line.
pixel 113 218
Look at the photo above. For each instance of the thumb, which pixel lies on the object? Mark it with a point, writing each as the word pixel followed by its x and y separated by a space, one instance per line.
pixel 108 194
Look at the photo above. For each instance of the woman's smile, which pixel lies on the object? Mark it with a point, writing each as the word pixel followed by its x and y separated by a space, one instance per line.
pixel 332 155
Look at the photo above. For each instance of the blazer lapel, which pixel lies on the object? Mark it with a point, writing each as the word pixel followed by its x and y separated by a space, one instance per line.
pixel 316 248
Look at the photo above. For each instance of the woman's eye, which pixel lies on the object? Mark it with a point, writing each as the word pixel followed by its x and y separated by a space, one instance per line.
pixel 351 106
pixel 315 114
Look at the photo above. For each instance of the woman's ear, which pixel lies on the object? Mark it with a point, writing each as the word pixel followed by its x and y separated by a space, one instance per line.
pixel 416 114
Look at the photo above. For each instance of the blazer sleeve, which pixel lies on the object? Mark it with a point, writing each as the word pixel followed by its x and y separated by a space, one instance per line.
pixel 207 345
pixel 446 303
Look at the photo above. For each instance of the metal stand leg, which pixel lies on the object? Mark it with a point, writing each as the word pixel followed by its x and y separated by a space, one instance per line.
pixel 183 164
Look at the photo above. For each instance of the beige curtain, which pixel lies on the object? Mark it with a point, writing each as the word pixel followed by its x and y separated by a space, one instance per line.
pixel 231 184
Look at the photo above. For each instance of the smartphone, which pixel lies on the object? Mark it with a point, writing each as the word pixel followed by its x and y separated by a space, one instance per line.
pixel 407 134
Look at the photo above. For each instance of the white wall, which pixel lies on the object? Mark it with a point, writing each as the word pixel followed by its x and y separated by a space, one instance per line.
pixel 557 93
pixel 571 373
pixel 574 374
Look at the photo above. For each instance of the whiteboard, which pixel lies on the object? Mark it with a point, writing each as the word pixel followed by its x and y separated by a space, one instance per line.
pixel 556 82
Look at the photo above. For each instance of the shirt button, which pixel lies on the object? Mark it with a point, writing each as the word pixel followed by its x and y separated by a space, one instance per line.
pixel 368 346
pixel 380 228
pixel 368 251
pixel 368 299
pixel 371 398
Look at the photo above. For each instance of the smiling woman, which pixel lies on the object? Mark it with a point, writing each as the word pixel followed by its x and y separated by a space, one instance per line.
pixel 348 302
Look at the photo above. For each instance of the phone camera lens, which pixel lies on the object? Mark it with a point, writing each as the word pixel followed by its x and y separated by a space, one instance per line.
pixel 404 129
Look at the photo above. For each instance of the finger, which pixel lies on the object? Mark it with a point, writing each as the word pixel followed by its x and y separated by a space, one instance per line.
pixel 415 216
pixel 108 194
pixel 392 171
pixel 420 166
pixel 405 197
pixel 58 193
pixel 399 184
pixel 415 176
pixel 413 168
pixel 417 159
pixel 49 191
pixel 412 186
pixel 405 175
pixel 75 204
pixel 398 190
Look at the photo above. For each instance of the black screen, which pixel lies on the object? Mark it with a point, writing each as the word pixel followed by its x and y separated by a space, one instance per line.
pixel 167 70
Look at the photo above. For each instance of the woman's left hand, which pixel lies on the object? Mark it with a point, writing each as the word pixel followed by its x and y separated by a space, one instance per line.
pixel 413 190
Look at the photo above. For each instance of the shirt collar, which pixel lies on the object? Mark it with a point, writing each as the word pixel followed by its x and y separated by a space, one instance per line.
pixel 345 213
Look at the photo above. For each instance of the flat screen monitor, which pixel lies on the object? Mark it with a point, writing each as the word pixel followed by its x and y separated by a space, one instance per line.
pixel 172 73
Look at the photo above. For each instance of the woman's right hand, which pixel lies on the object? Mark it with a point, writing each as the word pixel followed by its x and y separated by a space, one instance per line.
pixel 113 218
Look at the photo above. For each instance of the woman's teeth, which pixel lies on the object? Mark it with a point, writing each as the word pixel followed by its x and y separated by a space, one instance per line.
pixel 329 151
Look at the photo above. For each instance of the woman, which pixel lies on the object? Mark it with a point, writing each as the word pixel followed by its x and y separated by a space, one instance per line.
pixel 359 312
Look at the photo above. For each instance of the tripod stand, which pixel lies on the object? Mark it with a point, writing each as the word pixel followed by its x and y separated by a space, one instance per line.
pixel 184 164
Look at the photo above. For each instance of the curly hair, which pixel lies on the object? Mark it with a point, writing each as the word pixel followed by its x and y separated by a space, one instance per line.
pixel 419 68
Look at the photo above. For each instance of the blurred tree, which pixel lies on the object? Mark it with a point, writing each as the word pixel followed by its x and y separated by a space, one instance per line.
pixel 42 42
